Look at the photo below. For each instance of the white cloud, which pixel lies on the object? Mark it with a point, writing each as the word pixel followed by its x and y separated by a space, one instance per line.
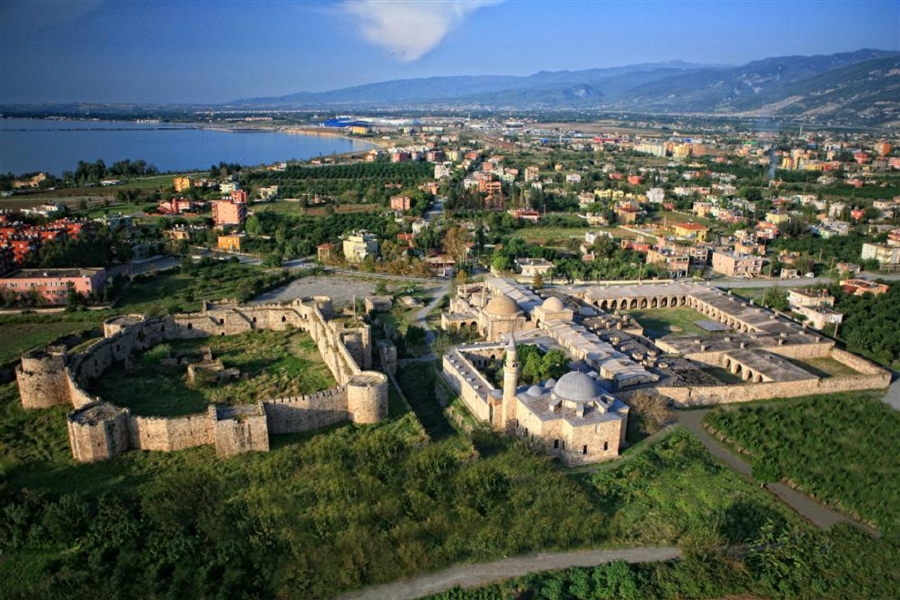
pixel 410 29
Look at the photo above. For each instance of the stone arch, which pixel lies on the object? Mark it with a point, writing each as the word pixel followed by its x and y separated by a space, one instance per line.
pixel 653 303
pixel 283 319
pixel 642 303
pixel 190 326
pixel 759 378
pixel 727 363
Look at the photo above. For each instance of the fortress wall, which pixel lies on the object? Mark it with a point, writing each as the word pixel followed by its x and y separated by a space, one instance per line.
pixel 728 394
pixel 55 378
pixel 93 442
pixel 247 432
pixel 302 413
pixel 42 380
pixel 857 363
pixel 171 433
pixel 367 397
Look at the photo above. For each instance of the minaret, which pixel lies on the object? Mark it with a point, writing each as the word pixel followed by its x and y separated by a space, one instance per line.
pixel 510 384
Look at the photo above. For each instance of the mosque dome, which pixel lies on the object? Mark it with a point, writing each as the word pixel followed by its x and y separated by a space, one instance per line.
pixel 576 387
pixel 502 305
pixel 553 304
pixel 535 391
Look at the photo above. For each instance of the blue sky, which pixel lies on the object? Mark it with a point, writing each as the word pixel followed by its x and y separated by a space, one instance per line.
pixel 213 51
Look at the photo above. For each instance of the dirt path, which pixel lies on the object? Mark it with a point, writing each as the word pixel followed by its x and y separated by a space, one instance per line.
pixel 474 575
pixel 809 509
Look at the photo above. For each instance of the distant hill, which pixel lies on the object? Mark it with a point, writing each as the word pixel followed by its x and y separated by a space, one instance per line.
pixel 858 87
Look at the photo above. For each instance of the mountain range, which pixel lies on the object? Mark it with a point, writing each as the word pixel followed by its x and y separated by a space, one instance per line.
pixel 853 88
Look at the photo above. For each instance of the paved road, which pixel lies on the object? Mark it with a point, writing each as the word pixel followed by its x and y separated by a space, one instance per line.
pixel 820 516
pixel 803 281
pixel 469 576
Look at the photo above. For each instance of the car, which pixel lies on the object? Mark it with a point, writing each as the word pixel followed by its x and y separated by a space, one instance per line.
pixel 810 275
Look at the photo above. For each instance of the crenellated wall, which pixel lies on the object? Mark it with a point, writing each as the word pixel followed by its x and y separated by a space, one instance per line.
pixel 99 430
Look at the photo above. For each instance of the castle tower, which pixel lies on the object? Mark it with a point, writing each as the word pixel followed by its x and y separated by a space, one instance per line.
pixel 510 384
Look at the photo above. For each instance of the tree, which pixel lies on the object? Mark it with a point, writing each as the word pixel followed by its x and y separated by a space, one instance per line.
pixel 456 243
pixel 538 281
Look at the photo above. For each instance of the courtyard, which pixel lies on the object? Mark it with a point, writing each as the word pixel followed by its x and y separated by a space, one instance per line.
pixel 659 322
pixel 271 364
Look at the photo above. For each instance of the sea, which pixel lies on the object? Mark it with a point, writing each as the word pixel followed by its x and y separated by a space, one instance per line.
pixel 53 146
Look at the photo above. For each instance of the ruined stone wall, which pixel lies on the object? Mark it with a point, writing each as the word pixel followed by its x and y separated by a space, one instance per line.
pixel 99 431
pixel 42 379
pixel 302 413
pixel 367 397
pixel 239 431
pixel 93 440
pixel 170 433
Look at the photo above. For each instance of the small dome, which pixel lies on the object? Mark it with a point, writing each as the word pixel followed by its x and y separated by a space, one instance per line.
pixel 577 387
pixel 502 305
pixel 553 304
pixel 535 391
pixel 549 383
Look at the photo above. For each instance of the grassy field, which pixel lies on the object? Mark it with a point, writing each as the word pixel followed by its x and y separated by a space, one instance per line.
pixel 272 364
pixel 839 447
pixel 336 509
pixel 659 322
pixel 825 367
pixel 675 488
pixel 551 235
pixel 21 333
pixel 156 295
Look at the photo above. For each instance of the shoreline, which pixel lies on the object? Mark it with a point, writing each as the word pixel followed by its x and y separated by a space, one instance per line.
pixel 107 125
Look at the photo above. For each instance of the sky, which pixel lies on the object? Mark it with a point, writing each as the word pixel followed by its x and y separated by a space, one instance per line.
pixel 210 51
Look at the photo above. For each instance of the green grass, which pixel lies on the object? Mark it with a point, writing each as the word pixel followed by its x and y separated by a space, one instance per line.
pixel 825 367
pixel 659 322
pixel 553 236
pixel 675 488
pixel 152 295
pixel 272 363
pixel 841 447
pixel 21 333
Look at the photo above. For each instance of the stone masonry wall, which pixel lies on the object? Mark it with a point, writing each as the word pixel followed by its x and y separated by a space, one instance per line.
pixel 302 413
pixel 49 379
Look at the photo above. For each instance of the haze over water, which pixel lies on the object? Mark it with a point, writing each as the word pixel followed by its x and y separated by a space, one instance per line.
pixel 28 145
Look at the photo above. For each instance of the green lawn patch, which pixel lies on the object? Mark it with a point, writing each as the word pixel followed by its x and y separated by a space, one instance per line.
pixel 660 322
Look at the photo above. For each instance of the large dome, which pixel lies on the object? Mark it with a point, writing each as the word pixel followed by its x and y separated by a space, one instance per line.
pixel 502 305
pixel 553 304
pixel 577 387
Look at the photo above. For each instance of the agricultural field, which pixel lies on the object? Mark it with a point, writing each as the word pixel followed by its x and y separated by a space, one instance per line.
pixel 272 364
pixel 659 322
pixel 842 448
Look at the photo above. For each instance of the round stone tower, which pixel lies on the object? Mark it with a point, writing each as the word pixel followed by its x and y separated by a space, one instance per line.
pixel 42 378
pixel 367 397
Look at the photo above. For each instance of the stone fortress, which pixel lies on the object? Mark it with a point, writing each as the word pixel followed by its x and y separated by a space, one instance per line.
pixel 99 430
pixel 582 417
